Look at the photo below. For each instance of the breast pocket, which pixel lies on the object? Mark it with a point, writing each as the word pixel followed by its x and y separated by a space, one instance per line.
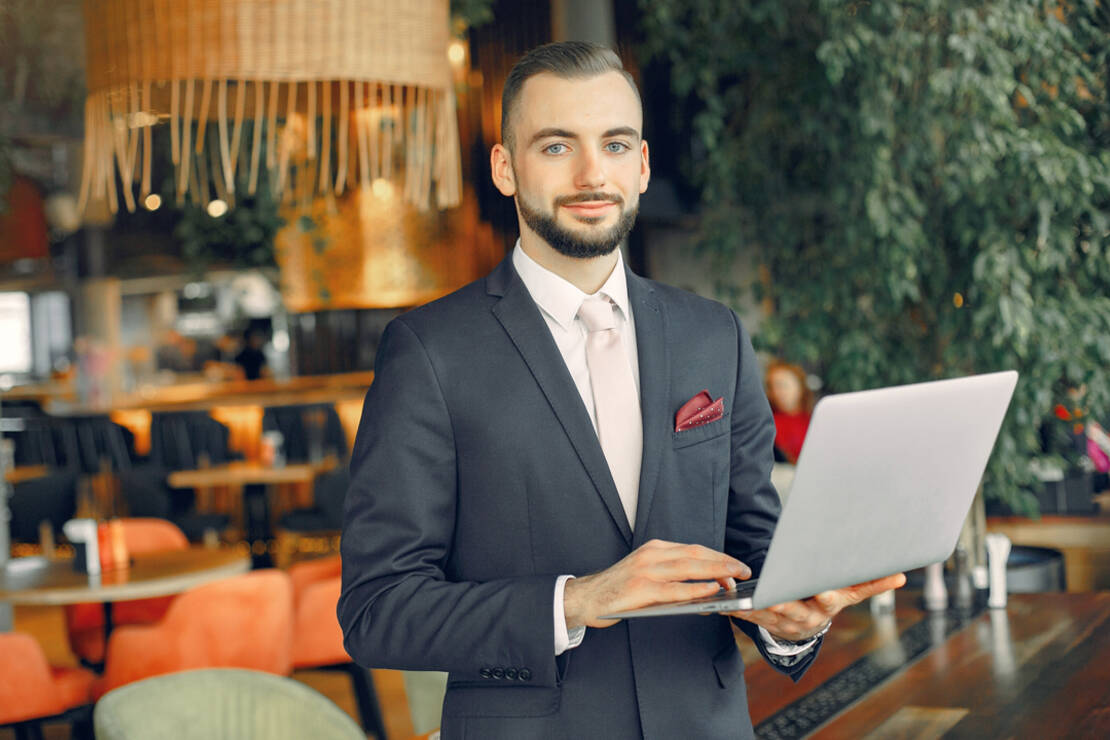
pixel 700 434
pixel 696 482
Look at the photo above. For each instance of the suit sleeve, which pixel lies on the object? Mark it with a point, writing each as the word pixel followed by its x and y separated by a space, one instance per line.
pixel 753 502
pixel 397 608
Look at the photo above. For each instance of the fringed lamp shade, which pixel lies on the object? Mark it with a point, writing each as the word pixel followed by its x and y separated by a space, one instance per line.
pixel 340 93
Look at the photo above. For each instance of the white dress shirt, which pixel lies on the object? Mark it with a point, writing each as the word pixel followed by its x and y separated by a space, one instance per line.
pixel 559 301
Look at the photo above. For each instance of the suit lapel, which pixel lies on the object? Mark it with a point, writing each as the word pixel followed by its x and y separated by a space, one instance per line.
pixel 522 321
pixel 651 347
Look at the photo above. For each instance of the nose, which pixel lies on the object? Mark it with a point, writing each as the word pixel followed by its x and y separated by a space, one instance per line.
pixel 591 171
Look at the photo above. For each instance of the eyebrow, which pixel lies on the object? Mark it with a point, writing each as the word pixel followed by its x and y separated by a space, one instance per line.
pixel 549 133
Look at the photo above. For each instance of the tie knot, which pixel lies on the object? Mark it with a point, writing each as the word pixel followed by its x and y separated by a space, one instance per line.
pixel 597 314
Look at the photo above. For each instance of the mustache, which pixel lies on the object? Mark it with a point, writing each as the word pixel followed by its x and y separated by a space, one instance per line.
pixel 596 197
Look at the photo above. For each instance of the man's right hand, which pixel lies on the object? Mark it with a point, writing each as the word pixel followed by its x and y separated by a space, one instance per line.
pixel 654 573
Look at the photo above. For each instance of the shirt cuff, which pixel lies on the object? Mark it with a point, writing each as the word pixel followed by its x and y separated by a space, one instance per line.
pixel 564 639
pixel 781 649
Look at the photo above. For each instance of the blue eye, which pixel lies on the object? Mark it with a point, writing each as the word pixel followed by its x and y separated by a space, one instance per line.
pixel 617 147
pixel 555 149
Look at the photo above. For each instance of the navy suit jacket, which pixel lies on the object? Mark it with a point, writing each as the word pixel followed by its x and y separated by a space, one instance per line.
pixel 477 479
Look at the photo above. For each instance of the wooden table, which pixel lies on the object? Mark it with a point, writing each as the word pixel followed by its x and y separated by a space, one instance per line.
pixel 1083 540
pixel 1038 669
pixel 38 581
pixel 245 473
pixel 22 473
pixel 253 477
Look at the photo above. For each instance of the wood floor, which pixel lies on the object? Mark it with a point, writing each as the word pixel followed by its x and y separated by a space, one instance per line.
pixel 47 625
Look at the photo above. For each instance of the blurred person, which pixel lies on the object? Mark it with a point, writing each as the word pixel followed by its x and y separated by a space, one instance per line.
pixel 792 406
pixel 251 358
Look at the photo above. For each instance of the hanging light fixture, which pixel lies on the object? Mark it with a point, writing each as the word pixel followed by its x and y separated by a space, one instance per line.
pixel 338 94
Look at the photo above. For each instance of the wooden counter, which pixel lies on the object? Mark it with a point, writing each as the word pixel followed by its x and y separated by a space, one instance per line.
pixel 202 395
pixel 1038 669
pixel 237 404
pixel 1083 540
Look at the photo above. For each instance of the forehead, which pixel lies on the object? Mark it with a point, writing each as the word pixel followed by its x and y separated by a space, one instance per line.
pixel 586 105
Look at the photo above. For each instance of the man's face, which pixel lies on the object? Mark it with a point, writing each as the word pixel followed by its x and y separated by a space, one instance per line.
pixel 578 163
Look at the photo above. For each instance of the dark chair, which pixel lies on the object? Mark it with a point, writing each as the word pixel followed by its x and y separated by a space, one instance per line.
pixel 309 431
pixel 323 519
pixel 327 512
pixel 146 493
pixel 88 444
pixel 179 440
pixel 51 498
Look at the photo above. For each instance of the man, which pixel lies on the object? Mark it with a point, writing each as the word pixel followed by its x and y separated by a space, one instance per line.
pixel 504 448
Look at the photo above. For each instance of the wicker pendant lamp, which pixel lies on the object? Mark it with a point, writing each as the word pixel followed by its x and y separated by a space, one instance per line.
pixel 338 94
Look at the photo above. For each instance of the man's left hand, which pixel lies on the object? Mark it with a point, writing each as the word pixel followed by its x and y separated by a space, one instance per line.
pixel 798 621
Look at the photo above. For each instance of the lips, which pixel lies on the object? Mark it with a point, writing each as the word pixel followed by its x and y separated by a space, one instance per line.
pixel 590 208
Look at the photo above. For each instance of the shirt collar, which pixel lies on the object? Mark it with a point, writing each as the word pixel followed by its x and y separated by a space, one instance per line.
pixel 558 297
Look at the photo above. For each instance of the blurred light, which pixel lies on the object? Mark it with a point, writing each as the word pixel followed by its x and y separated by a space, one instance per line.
pixel 382 188
pixel 281 340
pixel 140 119
pixel 217 208
pixel 958 300
pixel 153 202
pixel 456 53
pixel 61 213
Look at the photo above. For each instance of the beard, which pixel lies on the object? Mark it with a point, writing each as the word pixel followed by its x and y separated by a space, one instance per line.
pixel 574 244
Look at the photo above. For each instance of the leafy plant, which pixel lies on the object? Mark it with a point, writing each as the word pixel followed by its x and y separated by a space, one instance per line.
pixel 926 186
pixel 244 235
pixel 472 13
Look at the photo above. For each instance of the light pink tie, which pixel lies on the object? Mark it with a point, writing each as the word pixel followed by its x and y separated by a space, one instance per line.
pixel 616 402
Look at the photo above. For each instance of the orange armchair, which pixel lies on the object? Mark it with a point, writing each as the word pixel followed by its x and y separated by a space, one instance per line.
pixel 31 690
pixel 85 622
pixel 240 622
pixel 318 638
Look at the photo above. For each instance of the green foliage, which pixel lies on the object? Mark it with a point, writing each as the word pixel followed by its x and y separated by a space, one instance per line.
pixel 42 75
pixel 242 237
pixel 927 185
pixel 472 13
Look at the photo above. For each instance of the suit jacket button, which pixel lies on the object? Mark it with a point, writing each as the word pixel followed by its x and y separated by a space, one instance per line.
pixel 510 673
pixel 525 674
pixel 498 673
pixel 485 673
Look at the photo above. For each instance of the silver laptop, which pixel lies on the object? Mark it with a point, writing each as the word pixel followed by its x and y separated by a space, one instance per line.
pixel 884 482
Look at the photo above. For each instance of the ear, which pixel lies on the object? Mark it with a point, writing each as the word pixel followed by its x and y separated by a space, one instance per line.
pixel 501 170
pixel 645 166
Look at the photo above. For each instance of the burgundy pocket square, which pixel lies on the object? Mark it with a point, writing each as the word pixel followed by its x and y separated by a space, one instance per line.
pixel 699 410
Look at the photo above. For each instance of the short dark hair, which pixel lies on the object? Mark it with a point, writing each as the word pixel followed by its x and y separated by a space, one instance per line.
pixel 564 59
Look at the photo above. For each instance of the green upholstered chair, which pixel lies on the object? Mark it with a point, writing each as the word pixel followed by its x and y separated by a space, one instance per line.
pixel 220 704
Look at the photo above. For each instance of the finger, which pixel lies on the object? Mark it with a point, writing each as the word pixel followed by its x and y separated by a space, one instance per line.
pixel 662 593
pixel 866 590
pixel 832 602
pixel 658 551
pixel 687 569
pixel 727 584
